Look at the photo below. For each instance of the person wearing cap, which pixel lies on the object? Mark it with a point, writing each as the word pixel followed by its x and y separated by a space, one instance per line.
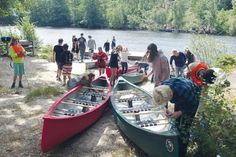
pixel 82 46
pixel 91 45
pixel 185 95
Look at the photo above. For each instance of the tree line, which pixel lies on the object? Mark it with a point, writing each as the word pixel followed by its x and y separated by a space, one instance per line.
pixel 201 16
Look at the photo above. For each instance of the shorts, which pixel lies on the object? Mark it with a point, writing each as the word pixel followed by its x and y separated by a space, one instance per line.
pixel 101 66
pixel 59 65
pixel 66 70
pixel 19 69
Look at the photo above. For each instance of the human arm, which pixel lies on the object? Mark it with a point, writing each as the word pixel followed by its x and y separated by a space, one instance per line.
pixel 53 54
pixel 171 65
pixel 12 53
pixel 105 56
pixel 150 73
pixel 174 115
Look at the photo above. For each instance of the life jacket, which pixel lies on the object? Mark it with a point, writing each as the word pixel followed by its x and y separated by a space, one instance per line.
pixel 19 50
pixel 195 71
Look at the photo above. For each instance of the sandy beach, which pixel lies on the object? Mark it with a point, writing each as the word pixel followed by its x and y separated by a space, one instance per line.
pixel 21 123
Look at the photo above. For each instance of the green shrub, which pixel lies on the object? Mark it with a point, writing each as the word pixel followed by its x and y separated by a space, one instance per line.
pixel 46 52
pixel 43 92
pixel 226 62
pixel 27 28
pixel 214 128
pixel 4 91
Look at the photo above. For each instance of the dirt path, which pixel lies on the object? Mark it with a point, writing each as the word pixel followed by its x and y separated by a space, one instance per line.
pixel 21 123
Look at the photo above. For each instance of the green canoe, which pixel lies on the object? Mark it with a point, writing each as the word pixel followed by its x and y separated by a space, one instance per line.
pixel 143 123
pixel 134 77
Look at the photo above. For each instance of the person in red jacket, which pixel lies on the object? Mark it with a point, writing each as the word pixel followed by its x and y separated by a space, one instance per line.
pixel 101 58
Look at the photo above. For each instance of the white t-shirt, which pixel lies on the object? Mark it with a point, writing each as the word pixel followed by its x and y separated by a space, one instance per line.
pixel 124 56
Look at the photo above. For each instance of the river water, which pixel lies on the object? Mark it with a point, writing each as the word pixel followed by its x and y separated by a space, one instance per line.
pixel 135 41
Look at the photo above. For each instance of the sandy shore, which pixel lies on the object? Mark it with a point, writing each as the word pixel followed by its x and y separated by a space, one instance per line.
pixel 21 123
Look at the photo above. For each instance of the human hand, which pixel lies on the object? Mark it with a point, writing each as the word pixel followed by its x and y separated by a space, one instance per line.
pixel 176 115
pixel 168 113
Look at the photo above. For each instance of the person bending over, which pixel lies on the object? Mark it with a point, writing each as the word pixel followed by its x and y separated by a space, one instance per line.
pixel 184 94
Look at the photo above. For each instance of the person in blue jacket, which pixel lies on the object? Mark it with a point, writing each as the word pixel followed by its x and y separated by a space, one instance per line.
pixel 185 95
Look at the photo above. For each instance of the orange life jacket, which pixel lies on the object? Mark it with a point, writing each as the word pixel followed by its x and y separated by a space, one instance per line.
pixel 200 66
pixel 19 50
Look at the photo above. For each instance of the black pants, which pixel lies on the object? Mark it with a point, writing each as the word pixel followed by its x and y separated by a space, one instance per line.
pixel 183 124
pixel 124 67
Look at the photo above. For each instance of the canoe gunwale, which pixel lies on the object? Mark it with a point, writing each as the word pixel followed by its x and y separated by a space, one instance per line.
pixel 50 115
pixel 121 115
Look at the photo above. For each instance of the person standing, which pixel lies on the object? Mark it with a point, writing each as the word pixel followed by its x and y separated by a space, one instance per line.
pixel 82 46
pixel 113 43
pixel 57 52
pixel 160 65
pixel 101 58
pixel 113 63
pixel 124 60
pixel 17 53
pixel 73 43
pixel 180 62
pixel 185 95
pixel 66 61
pixel 91 45
pixel 190 56
pixel 106 47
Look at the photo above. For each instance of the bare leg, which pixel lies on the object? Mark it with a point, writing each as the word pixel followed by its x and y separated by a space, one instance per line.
pixel 102 70
pixel 64 79
pixel 14 81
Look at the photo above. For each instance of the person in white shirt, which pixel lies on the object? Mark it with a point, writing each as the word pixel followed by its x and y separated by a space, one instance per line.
pixel 124 60
pixel 91 45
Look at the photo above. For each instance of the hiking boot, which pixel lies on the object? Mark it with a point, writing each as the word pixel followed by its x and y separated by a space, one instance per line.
pixel 13 85
pixel 20 85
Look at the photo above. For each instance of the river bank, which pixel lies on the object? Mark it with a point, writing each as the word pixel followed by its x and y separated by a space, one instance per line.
pixel 21 122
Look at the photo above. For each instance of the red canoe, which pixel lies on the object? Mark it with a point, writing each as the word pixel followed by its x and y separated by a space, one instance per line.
pixel 131 68
pixel 74 112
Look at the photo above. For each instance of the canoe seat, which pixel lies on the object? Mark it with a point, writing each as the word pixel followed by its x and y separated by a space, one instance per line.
pixel 69 112
pixel 130 99
pixel 148 123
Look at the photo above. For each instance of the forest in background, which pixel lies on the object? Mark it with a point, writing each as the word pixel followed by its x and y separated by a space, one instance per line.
pixel 201 16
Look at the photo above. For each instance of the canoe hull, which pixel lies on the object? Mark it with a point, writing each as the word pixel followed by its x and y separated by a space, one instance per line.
pixel 58 129
pixel 134 78
pixel 155 143
pixel 152 144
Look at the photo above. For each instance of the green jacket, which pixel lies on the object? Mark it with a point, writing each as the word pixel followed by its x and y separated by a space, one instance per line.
pixel 15 57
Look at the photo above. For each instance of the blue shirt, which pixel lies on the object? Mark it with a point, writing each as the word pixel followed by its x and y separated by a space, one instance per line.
pixel 186 94
pixel 179 60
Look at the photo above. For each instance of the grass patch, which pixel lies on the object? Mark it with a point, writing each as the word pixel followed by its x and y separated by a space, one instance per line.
pixel 4 91
pixel 43 92
pixel 226 62
pixel 46 52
